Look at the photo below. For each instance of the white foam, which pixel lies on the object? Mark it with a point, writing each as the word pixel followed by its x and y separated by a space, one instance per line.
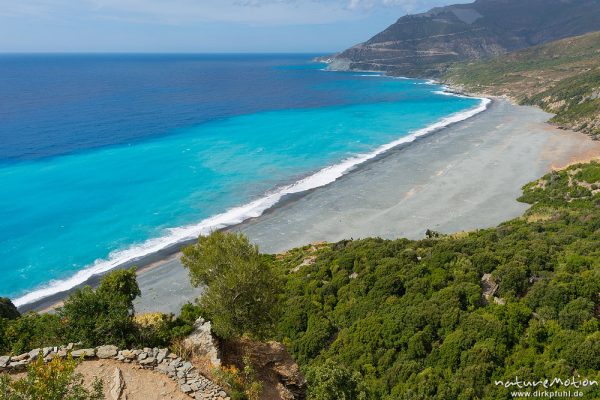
pixel 239 214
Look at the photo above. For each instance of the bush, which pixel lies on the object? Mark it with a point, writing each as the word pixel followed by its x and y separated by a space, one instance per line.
pixel 55 380
pixel 8 309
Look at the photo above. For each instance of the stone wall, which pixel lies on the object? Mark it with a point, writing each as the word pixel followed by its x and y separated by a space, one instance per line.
pixel 190 381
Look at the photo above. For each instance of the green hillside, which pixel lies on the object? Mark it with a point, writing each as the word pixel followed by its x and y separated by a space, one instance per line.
pixel 406 319
pixel 561 77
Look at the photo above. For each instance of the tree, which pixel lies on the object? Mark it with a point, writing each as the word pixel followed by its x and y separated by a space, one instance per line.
pixel 331 381
pixel 8 309
pixel 242 287
pixel 105 315
pixel 55 380
pixel 121 281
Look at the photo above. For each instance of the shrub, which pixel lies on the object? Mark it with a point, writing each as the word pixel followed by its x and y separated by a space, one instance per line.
pixel 55 380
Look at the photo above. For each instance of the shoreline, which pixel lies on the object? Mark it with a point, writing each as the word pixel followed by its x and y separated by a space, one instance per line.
pixel 161 269
pixel 46 298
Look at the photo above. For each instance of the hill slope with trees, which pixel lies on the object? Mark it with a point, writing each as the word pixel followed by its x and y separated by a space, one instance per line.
pixel 403 319
pixel 561 77
pixel 423 45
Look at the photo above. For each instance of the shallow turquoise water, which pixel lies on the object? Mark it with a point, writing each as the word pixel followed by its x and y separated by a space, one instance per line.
pixel 66 213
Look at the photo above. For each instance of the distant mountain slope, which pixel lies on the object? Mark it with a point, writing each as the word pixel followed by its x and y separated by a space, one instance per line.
pixel 561 77
pixel 423 45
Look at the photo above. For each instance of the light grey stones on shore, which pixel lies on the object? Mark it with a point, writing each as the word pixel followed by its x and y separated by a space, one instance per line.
pixel 188 379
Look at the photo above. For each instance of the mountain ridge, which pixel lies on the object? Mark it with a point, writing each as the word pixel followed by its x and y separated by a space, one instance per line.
pixel 424 45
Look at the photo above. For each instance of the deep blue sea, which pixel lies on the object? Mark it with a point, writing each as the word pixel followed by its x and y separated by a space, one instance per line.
pixel 106 158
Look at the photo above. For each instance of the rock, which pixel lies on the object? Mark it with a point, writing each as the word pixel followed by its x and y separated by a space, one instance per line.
pixel 18 364
pixel 20 357
pixel 128 354
pixel 185 388
pixel 186 366
pixel 161 355
pixel 4 360
pixel 48 350
pixel 142 356
pixel 33 354
pixel 148 361
pixel 83 352
pixel 202 342
pixel 107 351
pixel 117 386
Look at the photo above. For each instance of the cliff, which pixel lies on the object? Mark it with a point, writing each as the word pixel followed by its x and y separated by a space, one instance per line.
pixel 423 45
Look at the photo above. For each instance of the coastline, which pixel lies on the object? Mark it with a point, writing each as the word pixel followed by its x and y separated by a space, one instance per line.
pixel 158 248
pixel 165 285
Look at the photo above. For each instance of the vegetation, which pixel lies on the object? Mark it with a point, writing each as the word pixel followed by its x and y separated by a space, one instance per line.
pixel 240 384
pixel 386 319
pixel 55 380
pixel 8 309
pixel 93 317
pixel 242 287
pixel 408 318
pixel 561 77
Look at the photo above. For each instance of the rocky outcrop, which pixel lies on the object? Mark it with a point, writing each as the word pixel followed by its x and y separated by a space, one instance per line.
pixel 190 381
pixel 202 343
pixel 423 45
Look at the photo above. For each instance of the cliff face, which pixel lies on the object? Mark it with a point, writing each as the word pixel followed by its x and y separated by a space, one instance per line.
pixel 423 45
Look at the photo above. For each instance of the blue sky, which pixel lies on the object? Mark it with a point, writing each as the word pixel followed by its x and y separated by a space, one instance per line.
pixel 196 25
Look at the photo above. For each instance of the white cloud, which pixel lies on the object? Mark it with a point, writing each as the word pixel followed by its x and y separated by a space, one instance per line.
pixel 199 11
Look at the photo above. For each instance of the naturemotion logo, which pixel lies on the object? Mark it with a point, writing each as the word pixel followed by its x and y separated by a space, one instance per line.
pixel 562 388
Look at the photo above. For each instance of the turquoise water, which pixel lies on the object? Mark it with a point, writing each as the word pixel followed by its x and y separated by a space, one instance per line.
pixel 93 208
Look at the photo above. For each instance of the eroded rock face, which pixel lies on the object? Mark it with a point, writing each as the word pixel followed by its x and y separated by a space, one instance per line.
pixel 202 342
pixel 274 366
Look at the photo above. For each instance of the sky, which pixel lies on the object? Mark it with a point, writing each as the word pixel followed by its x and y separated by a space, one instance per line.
pixel 193 26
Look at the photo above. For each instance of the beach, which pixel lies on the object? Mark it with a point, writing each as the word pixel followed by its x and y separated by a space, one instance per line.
pixel 463 177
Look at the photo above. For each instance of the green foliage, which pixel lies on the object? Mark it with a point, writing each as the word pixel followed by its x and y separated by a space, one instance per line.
pixel 55 380
pixel 93 317
pixel 407 319
pixel 240 384
pixel 8 309
pixel 104 315
pixel 561 77
pixel 242 287
pixel 121 282
pixel 330 381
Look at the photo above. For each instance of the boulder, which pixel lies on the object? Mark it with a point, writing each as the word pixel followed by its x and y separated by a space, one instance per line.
pixel 107 351
pixel 202 342
pixel 4 360
pixel 33 354
pixel 83 352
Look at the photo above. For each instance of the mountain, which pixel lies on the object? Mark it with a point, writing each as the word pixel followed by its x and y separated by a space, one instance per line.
pixel 561 77
pixel 422 45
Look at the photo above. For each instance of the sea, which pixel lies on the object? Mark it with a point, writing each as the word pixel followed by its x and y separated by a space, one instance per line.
pixel 107 158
